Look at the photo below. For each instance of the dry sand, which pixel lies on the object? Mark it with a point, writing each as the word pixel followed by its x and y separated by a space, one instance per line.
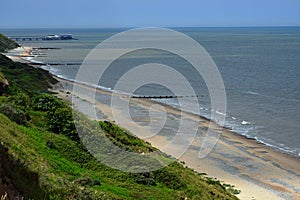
pixel 257 170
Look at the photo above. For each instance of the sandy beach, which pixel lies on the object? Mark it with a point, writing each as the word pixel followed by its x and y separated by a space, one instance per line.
pixel 257 170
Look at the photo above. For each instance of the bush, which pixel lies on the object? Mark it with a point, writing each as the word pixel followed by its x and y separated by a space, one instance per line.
pixel 15 114
pixel 60 121
pixel 46 102
pixel 16 107
pixel 59 115
pixel 169 179
pixel 20 100
pixel 146 178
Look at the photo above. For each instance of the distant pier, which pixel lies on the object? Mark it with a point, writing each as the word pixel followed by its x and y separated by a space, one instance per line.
pixel 26 38
pixel 48 37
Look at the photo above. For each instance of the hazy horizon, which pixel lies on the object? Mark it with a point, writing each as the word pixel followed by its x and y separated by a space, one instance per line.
pixel 175 27
pixel 121 14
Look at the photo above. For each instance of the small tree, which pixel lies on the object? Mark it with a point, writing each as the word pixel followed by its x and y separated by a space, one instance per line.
pixel 60 121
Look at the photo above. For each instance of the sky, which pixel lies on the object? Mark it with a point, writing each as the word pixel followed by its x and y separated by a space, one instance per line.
pixel 148 13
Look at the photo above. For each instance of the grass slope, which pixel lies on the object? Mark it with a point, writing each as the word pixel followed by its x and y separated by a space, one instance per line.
pixel 65 171
pixel 6 43
pixel 23 77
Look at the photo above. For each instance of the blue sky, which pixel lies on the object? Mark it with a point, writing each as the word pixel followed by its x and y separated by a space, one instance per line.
pixel 141 13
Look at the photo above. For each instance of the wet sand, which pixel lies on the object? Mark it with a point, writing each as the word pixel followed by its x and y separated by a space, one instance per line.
pixel 257 170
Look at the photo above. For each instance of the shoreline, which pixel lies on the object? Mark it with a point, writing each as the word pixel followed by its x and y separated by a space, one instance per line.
pixel 27 52
pixel 202 118
pixel 274 174
pixel 253 183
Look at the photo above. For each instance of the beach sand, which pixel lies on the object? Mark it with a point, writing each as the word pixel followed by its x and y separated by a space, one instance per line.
pixel 257 170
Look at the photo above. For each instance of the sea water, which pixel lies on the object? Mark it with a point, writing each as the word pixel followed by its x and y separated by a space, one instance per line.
pixel 260 68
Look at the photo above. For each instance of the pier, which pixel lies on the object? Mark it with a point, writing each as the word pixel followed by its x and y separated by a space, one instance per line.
pixel 26 38
pixel 48 37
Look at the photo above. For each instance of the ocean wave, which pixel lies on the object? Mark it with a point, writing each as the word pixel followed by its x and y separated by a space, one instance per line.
pixel 35 61
pixel 279 147
pixel 220 113
pixel 272 97
pixel 245 122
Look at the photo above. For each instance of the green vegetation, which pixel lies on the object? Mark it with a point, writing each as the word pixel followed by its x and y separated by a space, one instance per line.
pixel 231 189
pixel 2 77
pixel 43 157
pixel 6 43
pixel 25 78
pixel 46 164
pixel 124 139
pixel 58 115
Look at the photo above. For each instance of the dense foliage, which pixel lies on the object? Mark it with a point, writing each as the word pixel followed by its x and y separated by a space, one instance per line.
pixel 59 115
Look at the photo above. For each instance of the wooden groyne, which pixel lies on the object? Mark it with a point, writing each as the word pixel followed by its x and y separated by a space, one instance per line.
pixel 162 97
pixel 54 64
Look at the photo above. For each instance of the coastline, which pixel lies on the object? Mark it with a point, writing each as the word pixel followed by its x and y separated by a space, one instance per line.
pixel 259 171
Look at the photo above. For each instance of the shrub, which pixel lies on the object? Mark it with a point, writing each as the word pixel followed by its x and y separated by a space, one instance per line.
pixel 20 100
pixel 146 178
pixel 169 179
pixel 59 115
pixel 15 114
pixel 60 121
pixel 46 102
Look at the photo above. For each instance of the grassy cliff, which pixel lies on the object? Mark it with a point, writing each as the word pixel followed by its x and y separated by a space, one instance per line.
pixel 23 77
pixel 43 158
pixel 6 43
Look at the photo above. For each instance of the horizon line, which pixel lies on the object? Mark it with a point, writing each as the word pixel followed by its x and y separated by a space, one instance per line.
pixel 170 27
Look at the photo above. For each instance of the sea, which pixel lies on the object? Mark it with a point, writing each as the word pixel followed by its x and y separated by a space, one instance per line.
pixel 260 67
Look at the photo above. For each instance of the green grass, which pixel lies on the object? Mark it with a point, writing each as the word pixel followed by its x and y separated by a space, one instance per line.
pixel 1 77
pixel 6 43
pixel 57 171
pixel 124 139
pixel 57 167
pixel 25 78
